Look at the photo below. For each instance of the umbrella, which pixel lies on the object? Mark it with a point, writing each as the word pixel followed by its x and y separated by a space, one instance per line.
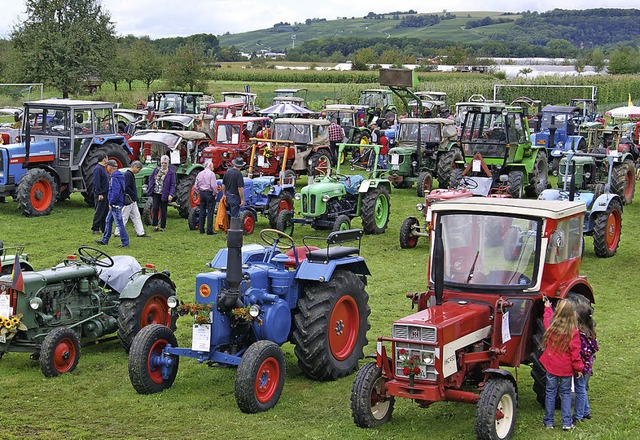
pixel 627 112
pixel 286 108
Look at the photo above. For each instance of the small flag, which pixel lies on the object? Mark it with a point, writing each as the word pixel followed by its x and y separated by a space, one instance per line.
pixel 630 101
pixel 17 282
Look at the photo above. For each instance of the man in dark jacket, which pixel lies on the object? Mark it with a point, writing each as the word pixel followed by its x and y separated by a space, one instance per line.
pixel 116 203
pixel 131 210
pixel 233 187
pixel 100 192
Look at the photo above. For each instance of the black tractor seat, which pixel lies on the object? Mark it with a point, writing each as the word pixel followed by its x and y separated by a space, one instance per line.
pixel 334 249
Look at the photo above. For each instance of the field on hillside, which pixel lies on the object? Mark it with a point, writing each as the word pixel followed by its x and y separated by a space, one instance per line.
pixel 98 401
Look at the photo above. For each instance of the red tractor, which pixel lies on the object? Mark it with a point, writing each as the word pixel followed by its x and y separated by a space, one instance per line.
pixel 481 312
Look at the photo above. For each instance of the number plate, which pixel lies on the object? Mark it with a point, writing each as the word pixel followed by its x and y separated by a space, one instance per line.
pixel 3 339
pixel 395 167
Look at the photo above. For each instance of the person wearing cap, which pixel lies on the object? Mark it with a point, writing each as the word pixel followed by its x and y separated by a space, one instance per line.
pixel 162 188
pixel 206 186
pixel 116 203
pixel 233 187
pixel 100 192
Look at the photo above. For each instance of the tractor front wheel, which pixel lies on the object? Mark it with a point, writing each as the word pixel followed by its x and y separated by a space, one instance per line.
pixel 514 184
pixel 446 163
pixel 342 223
pixel 607 227
pixel 37 192
pixel 146 212
pixel 496 410
pixel 370 404
pixel 407 239
pixel 193 221
pixel 260 377
pixel 248 221
pixel 59 352
pixel 284 222
pixel 146 360
pixel 539 175
pixel 278 204
pixel 424 183
pixel 375 211
pixel 331 326
pixel 150 307
pixel 184 194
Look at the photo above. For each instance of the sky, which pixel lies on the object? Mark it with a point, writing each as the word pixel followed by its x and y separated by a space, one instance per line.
pixel 171 18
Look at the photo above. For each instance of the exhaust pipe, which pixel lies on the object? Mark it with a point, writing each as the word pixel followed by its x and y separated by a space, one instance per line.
pixel 228 298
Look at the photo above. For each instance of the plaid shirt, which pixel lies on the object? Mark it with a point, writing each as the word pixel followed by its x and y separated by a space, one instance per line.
pixel 336 133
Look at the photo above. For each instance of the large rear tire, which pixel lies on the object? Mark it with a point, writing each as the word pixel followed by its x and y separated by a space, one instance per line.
pixel 278 204
pixel 370 405
pixel 150 307
pixel 446 163
pixel 319 163
pixel 539 175
pixel 376 208
pixel 331 326
pixel 184 194
pixel 145 359
pixel 607 228
pixel 59 352
pixel 37 192
pixel 515 183
pixel 496 410
pixel 260 377
pixel 114 151
pixel 623 181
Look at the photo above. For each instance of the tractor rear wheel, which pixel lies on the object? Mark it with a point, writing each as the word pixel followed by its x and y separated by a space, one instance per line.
pixel 150 307
pixel 278 204
pixel 407 239
pixel 260 377
pixel 114 151
pixel 37 192
pixel 193 220
pixel 248 221
pixel 514 184
pixel 319 163
pixel 145 359
pixel 496 410
pixel 370 404
pixel 446 163
pixel 375 211
pixel 331 326
pixel 607 227
pixel 59 352
pixel 342 223
pixel 146 212
pixel 539 175
pixel 623 181
pixel 424 183
pixel 284 222
pixel 538 372
pixel 184 194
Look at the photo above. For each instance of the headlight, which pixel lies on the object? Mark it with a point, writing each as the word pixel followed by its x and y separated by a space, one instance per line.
pixel 172 302
pixel 297 196
pixel 402 355
pixel 325 198
pixel 254 310
pixel 420 206
pixel 35 303
pixel 428 358
pixel 225 154
pixel 587 175
pixel 145 187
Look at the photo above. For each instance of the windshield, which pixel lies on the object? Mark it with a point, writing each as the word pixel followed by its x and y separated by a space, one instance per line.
pixel 299 134
pixel 228 134
pixel 490 249
pixel 428 132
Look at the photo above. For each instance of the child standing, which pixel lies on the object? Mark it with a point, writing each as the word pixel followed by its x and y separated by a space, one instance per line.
pixel 588 348
pixel 561 358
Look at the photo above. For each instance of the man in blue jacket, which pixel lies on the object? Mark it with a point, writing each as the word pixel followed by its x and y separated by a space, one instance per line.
pixel 100 192
pixel 116 203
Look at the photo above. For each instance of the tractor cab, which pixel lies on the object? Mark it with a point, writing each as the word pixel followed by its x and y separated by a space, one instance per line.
pixel 176 102
pixel 247 98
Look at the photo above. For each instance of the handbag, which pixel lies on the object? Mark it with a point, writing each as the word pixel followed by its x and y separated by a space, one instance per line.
pixel 127 200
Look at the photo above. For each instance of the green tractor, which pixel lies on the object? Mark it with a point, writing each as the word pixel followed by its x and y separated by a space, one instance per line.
pixel 425 148
pixel 8 256
pixel 333 200
pixel 500 133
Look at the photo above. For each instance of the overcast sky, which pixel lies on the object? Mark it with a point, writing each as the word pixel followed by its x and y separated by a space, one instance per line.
pixel 170 18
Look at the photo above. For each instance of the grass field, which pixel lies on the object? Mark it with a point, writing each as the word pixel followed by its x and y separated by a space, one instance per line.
pixel 98 401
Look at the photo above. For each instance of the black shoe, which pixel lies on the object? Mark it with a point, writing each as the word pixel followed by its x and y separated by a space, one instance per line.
pixel 100 242
pixel 210 233
pixel 96 232
pixel 587 416
pixel 202 232
pixel 144 236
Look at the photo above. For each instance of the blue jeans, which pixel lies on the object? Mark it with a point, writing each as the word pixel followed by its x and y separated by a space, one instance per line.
pixel 582 400
pixel 555 385
pixel 115 214
pixel 233 205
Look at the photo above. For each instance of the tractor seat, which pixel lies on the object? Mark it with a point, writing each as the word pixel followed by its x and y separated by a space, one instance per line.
pixel 334 249
pixel 301 252
pixel 331 253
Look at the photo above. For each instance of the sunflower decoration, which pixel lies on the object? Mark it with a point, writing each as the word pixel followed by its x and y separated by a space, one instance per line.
pixel 9 327
pixel 200 312
pixel 267 152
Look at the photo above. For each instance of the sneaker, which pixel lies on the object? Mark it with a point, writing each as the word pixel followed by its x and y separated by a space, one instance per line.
pixel 211 233
pixel 96 232
pixel 576 421
pixel 156 229
pixel 100 242
pixel 143 236
pixel 161 230
pixel 569 428
pixel 587 416
pixel 548 426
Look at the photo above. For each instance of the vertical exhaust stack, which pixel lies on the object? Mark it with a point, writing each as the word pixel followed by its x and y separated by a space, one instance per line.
pixel 229 297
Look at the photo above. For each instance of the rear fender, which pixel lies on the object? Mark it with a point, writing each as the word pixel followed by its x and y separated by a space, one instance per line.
pixel 324 271
pixel 120 140
pixel 580 286
pixel 602 203
pixel 133 289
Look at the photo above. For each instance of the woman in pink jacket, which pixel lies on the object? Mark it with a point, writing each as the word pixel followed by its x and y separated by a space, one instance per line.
pixel 561 358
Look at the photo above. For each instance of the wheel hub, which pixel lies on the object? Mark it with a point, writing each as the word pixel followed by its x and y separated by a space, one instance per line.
pixel 38 195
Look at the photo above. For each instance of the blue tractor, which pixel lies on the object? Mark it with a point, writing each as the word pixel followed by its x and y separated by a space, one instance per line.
pixel 259 298
pixel 559 132
pixel 62 142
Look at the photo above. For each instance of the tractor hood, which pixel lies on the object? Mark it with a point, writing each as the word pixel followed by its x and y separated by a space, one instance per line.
pixel 404 148
pixel 332 189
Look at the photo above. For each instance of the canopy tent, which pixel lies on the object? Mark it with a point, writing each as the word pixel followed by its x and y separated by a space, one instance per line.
pixel 286 108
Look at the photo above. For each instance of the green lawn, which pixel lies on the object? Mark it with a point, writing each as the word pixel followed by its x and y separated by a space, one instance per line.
pixel 98 401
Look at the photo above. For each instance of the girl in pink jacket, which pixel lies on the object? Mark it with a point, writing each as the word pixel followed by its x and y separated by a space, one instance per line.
pixel 561 358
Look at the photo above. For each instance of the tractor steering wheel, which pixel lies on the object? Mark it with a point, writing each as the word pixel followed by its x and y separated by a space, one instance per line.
pixel 271 236
pixel 91 255
pixel 468 183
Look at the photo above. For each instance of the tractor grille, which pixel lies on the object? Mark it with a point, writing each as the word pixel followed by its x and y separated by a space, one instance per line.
pixel 426 360
pixel 411 332
pixel 312 207
pixel 305 202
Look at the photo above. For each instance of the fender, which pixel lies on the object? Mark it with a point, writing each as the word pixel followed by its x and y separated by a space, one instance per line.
pixel 503 374
pixel 580 286
pixel 323 271
pixel 121 140
pixel 133 289
pixel 572 142
pixel 602 203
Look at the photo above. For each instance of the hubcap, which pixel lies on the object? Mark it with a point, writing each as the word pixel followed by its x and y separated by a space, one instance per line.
pixel 504 416
pixel 343 327
pixel 64 355
pixel 267 380
pixel 155 311
pixel 41 195
pixel 381 211
pixel 612 232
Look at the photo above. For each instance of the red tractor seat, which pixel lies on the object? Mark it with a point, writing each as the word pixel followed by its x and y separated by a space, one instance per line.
pixel 301 252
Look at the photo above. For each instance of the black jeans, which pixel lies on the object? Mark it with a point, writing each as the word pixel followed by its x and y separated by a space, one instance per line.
pixel 102 209
pixel 207 203
pixel 159 209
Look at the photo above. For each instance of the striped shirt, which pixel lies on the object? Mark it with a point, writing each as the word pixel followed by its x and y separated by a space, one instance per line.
pixel 206 181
